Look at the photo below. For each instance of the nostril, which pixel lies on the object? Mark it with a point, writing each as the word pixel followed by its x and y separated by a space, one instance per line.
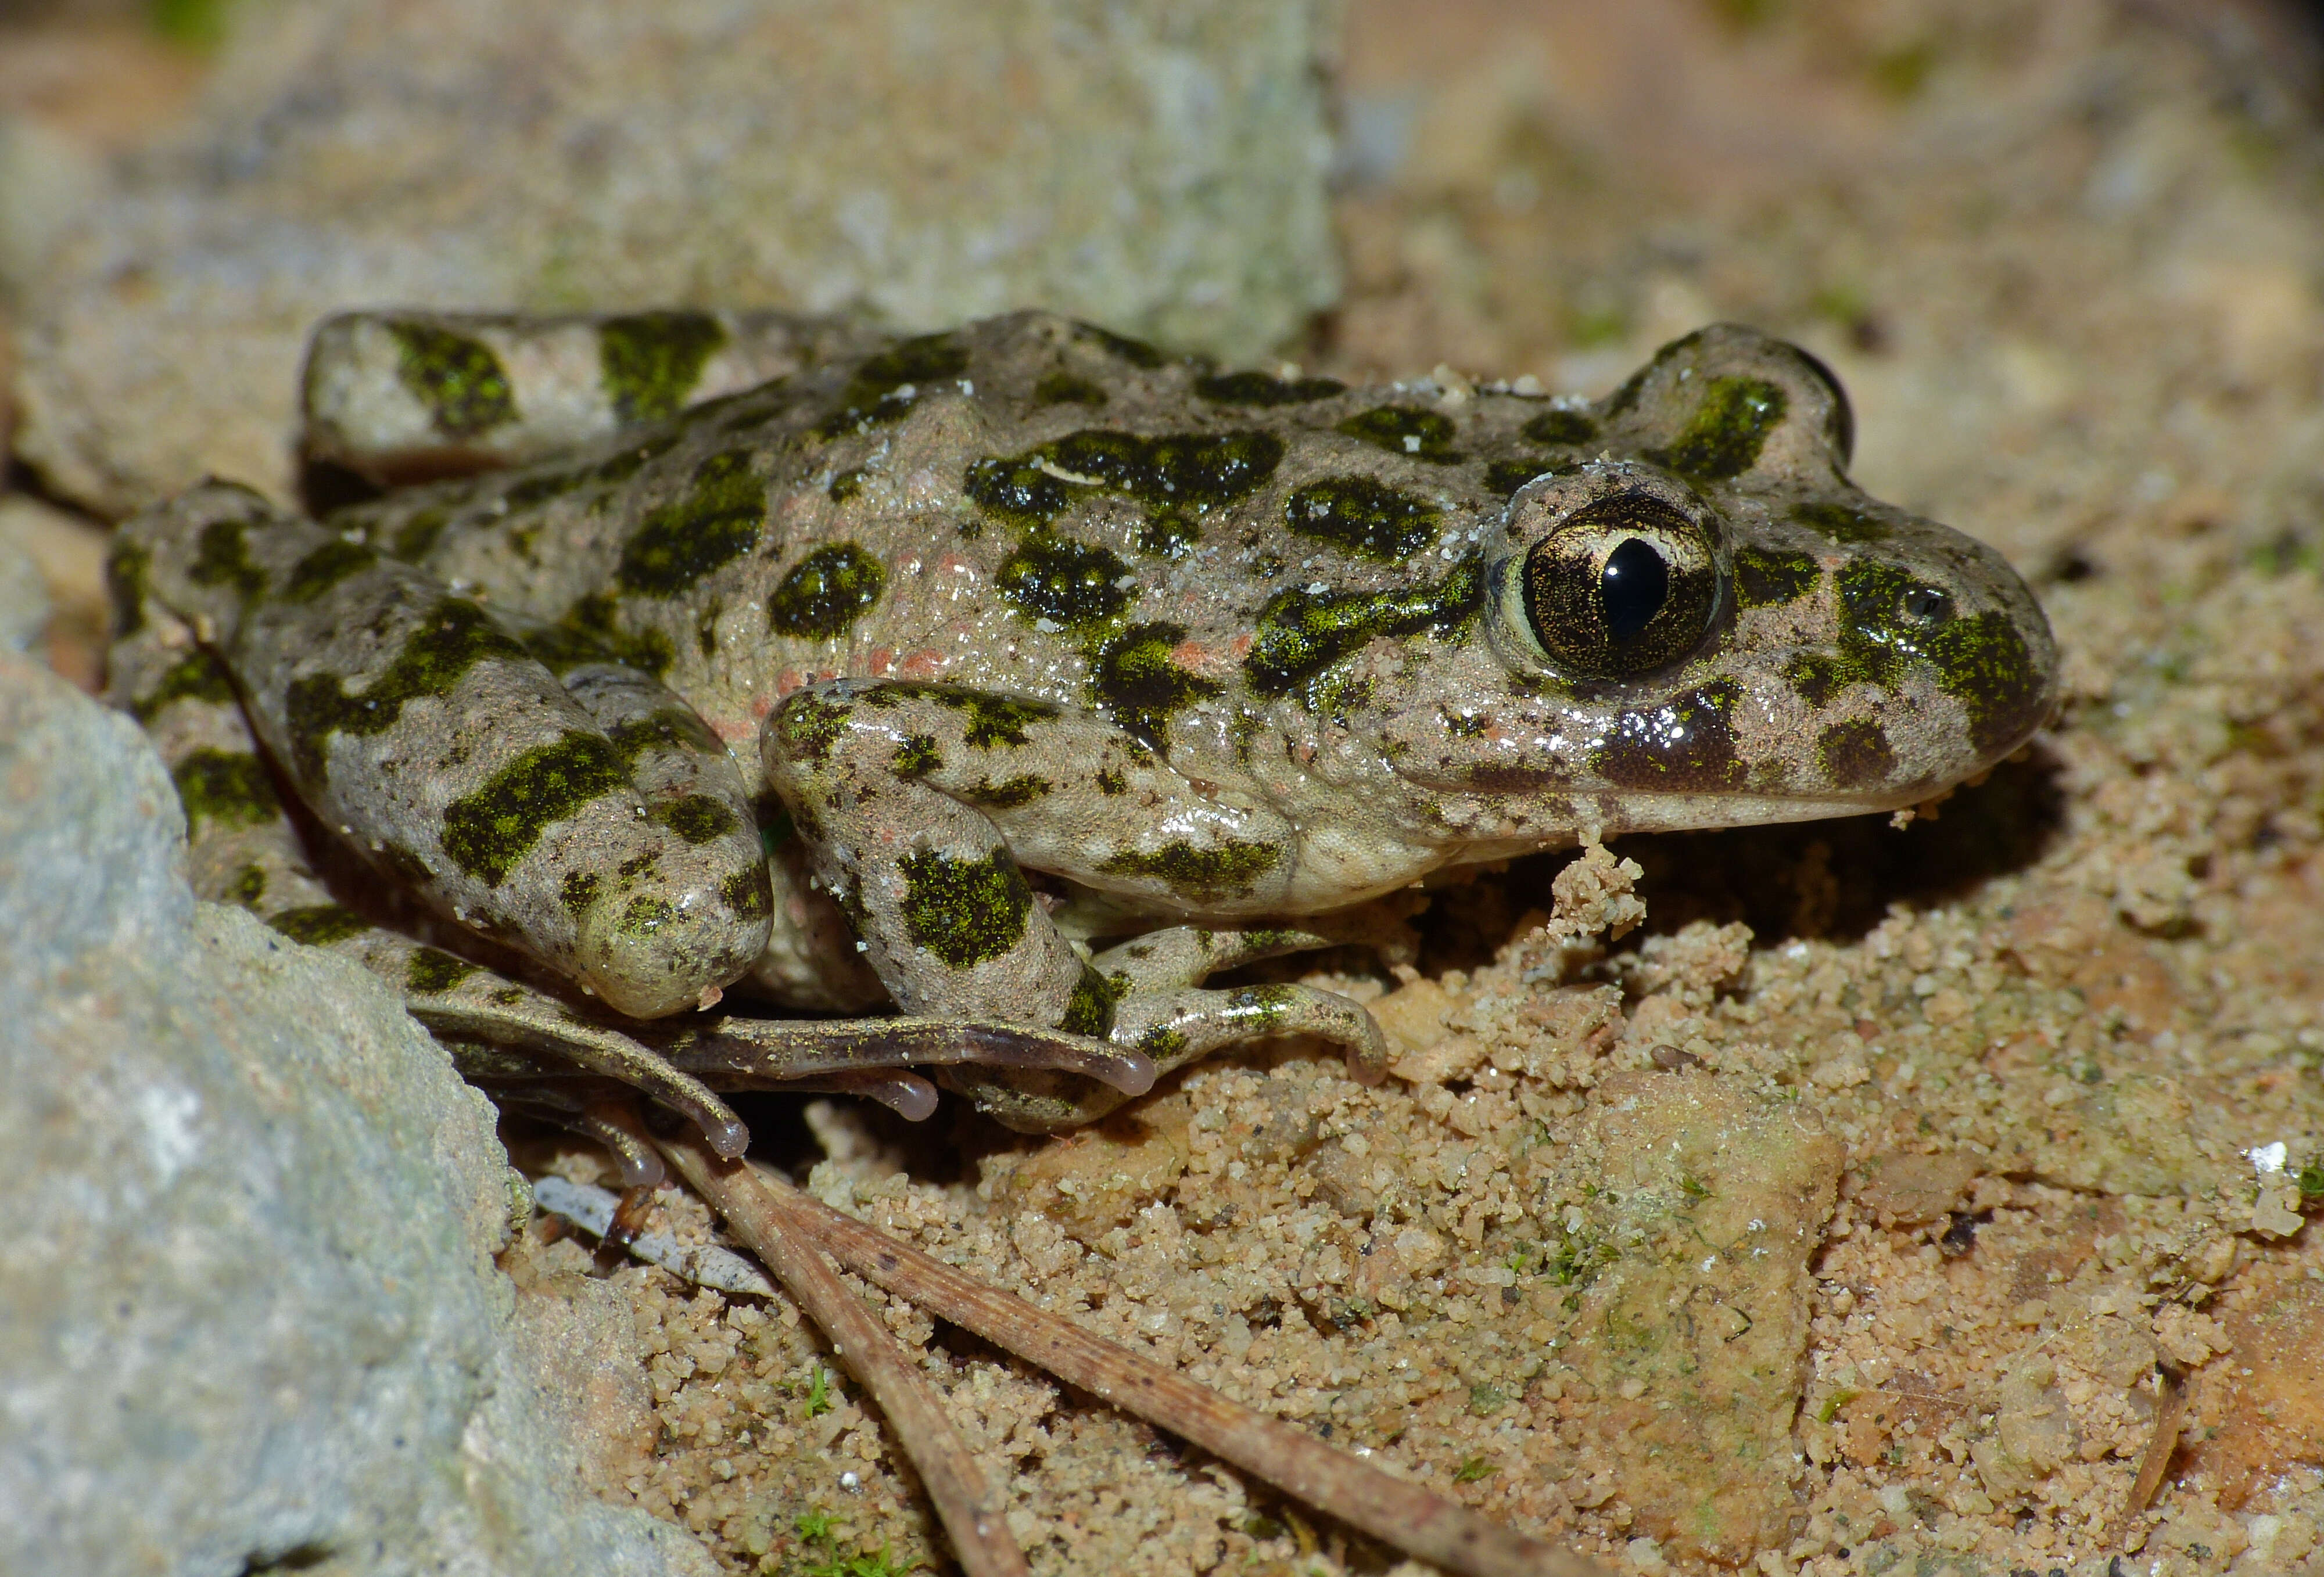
pixel 1926 604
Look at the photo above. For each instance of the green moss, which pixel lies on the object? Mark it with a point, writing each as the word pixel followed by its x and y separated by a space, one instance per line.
pixel 964 911
pixel 578 890
pixel 319 925
pixel 417 533
pixel 1120 346
pixel 1769 576
pixel 456 636
pixel 649 363
pixel 195 676
pixel 128 580
pixel 222 557
pixel 917 757
pixel 1260 389
pixel 1009 793
pixel 325 567
pixel 1168 534
pixel 825 592
pixel 1843 522
pixel 714 523
pixel 1559 426
pixel 1073 584
pixel 1090 1009
pixel 1186 471
pixel 1067 389
pixel 1301 632
pixel 1724 436
pixel 1685 745
pixel 1141 687
pixel 431 972
pixel 697 817
pixel 487 832
pixel 458 379
pixel 1407 430
pixel 1362 517
pixel 807 726
pixel 887 385
pixel 748 893
pixel 1199 875
pixel 1855 754
pixel 228 788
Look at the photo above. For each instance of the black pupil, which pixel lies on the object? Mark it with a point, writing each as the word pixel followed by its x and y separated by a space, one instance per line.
pixel 1634 585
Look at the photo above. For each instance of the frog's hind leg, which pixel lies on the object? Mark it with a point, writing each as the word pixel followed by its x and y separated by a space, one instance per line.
pixel 401 397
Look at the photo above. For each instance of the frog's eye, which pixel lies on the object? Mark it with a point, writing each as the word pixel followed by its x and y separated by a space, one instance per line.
pixel 1622 586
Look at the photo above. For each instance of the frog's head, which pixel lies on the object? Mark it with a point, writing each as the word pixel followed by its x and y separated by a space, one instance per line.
pixel 1708 624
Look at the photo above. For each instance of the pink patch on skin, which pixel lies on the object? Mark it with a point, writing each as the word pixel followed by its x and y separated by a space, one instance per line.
pixel 925 663
pixel 880 660
pixel 1190 654
pixel 1241 647
pixel 788 681
pixel 735 731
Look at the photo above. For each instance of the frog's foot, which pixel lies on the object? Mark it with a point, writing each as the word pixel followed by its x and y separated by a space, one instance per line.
pixel 1160 1011
pixel 591 1111
pixel 735 1052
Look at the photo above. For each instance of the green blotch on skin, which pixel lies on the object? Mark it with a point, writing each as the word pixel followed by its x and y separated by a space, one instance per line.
pixel 1067 389
pixel 1506 476
pixel 1362 517
pixel 1121 347
pixel 827 591
pixel 487 832
pixel 697 818
pixel 887 385
pixel 319 925
pixel 649 363
pixel 1138 684
pixel 1090 1009
pixel 807 726
pixel 917 757
pixel 1843 523
pixel 431 972
pixel 325 567
pixel 1559 426
pixel 1256 1009
pixel 1724 436
pixel 714 523
pixel 1301 632
pixel 1983 663
pixel 1070 584
pixel 847 485
pixel 1109 781
pixel 1188 471
pixel 578 890
pixel 458 379
pixel 1766 578
pixel 1168 534
pixel 749 893
pixel 457 635
pixel 588 634
pixel 222 557
pixel 987 720
pixel 1406 429
pixel 644 915
pixel 128 577
pixel 964 911
pixel 1260 389
pixel 195 676
pixel 228 788
pixel 1162 1044
pixel 1685 745
pixel 1815 677
pixel 248 886
pixel 1009 793
pixel 672 728
pixel 418 534
pixel 1855 754
pixel 1199 875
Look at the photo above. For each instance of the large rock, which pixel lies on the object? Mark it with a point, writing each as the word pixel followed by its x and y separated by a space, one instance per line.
pixel 1156 165
pixel 252 1316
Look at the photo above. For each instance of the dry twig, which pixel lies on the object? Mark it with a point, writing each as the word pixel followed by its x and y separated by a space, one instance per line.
pixel 2170 1412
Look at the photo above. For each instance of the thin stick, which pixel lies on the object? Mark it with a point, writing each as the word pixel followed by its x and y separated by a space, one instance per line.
pixel 1405 1515
pixel 970 1514
pixel 2170 1410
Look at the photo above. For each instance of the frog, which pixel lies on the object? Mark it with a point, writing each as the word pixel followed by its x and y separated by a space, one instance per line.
pixel 684 702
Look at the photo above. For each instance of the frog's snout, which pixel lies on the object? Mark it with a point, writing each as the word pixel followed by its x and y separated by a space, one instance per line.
pixel 650 954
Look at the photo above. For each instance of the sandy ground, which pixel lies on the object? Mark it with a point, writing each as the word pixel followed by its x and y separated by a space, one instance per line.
pixel 1864 1208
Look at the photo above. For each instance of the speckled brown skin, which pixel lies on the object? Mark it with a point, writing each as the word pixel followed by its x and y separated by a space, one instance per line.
pixel 1210 651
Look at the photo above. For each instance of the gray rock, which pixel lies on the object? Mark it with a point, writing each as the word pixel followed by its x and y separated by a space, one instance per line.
pixel 251 1312
pixel 1156 165
pixel 23 596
